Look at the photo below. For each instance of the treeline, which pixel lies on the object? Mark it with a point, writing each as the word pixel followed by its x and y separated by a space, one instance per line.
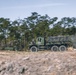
pixel 20 32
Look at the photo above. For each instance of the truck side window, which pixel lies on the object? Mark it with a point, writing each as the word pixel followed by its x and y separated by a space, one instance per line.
pixel 39 39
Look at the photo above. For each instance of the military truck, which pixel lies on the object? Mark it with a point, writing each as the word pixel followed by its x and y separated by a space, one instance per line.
pixel 53 43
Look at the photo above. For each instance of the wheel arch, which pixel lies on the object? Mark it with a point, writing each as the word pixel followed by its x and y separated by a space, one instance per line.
pixel 32 46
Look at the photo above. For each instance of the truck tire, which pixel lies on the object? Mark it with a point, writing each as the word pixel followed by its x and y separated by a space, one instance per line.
pixel 33 49
pixel 54 48
pixel 62 48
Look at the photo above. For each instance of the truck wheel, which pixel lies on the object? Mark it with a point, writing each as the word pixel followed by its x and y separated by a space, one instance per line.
pixel 33 49
pixel 54 48
pixel 62 48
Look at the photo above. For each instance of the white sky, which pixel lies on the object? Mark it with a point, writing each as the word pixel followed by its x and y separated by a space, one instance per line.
pixel 15 9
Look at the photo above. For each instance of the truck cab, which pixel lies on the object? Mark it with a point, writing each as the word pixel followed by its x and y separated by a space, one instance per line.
pixel 37 44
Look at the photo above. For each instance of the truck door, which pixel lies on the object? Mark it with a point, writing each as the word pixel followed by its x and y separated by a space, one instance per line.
pixel 40 41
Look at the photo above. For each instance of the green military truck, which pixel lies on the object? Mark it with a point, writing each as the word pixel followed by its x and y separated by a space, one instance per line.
pixel 53 43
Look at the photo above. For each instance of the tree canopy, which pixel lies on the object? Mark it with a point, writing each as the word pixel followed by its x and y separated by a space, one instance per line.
pixel 21 31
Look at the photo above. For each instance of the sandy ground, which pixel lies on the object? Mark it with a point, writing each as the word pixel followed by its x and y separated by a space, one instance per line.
pixel 38 63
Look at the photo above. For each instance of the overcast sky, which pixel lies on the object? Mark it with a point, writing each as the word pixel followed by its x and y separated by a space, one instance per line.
pixel 15 9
